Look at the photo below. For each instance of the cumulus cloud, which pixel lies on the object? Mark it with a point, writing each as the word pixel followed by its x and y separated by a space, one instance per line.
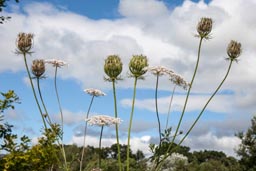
pixel 69 118
pixel 210 141
pixel 196 102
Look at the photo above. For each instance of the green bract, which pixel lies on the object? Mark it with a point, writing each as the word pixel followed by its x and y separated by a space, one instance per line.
pixel 113 66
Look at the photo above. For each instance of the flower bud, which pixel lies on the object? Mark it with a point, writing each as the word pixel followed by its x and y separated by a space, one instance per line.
pixel 204 27
pixel 234 50
pixel 137 65
pixel 24 42
pixel 38 68
pixel 113 66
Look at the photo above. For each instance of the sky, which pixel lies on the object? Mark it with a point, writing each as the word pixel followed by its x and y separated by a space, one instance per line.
pixel 83 33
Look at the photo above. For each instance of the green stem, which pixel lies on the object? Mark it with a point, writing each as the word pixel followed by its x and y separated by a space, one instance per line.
pixel 41 97
pixel 200 114
pixel 61 114
pixel 130 124
pixel 33 89
pixel 157 114
pixel 185 105
pixel 117 136
pixel 169 108
pixel 85 132
pixel 99 164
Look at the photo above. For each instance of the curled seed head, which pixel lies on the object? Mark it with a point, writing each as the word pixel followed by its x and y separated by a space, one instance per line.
pixel 38 68
pixel 137 65
pixel 234 50
pixel 113 66
pixel 204 27
pixel 24 42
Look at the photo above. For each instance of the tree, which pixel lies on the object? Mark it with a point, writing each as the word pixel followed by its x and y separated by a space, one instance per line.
pixel 247 148
pixel 3 5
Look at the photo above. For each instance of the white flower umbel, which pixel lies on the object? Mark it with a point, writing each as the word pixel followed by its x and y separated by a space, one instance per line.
pixel 56 62
pixel 103 120
pixel 94 92
pixel 159 70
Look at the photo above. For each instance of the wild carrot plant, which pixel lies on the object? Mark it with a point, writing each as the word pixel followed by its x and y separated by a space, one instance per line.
pixel 113 67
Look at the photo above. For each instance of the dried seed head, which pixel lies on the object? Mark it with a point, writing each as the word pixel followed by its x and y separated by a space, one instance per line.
pixel 204 27
pixel 24 42
pixel 179 81
pixel 137 65
pixel 234 50
pixel 113 66
pixel 38 68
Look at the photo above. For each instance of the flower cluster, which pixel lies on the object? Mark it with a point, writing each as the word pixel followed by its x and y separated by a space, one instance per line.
pixel 24 42
pixel 103 120
pixel 38 67
pixel 234 50
pixel 113 67
pixel 159 70
pixel 56 62
pixel 94 92
pixel 204 27
pixel 179 80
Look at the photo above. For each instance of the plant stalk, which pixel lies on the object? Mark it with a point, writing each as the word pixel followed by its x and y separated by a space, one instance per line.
pixel 130 125
pixel 117 136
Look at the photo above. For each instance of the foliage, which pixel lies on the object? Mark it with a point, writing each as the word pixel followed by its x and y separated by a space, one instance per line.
pixel 3 5
pixel 247 148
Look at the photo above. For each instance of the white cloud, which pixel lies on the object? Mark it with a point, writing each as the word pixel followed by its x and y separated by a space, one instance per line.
pixel 137 143
pixel 220 103
pixel 209 141
pixel 69 118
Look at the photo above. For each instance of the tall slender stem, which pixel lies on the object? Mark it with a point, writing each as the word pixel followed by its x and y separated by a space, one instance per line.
pixel 169 108
pixel 117 136
pixel 34 92
pixel 189 89
pixel 185 105
pixel 85 132
pixel 99 164
pixel 157 114
pixel 206 104
pixel 41 97
pixel 130 124
pixel 61 114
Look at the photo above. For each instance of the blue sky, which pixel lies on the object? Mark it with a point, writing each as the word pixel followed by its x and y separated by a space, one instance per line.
pixel 83 33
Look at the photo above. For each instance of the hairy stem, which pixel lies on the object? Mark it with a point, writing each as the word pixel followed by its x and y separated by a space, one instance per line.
pixel 62 122
pixel 130 125
pixel 157 114
pixel 185 105
pixel 206 104
pixel 117 136
pixel 85 132
pixel 99 164
pixel 169 108
pixel 34 92
pixel 41 97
